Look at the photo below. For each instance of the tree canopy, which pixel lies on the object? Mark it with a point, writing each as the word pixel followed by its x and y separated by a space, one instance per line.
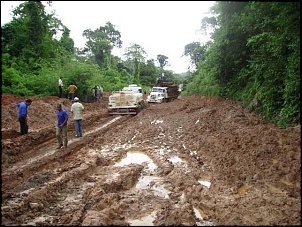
pixel 253 56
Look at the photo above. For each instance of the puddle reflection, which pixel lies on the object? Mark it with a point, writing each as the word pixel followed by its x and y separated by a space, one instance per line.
pixel 137 158
pixel 156 184
pixel 144 221
pixel 205 183
pixel 145 182
pixel 153 183
pixel 175 159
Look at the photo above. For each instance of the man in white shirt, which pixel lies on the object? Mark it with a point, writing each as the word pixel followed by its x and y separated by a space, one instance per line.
pixel 77 110
pixel 60 87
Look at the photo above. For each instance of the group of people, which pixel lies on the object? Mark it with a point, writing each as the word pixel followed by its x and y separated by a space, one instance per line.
pixel 77 109
pixel 97 91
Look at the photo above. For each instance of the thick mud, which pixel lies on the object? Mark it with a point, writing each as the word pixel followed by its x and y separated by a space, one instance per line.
pixel 193 161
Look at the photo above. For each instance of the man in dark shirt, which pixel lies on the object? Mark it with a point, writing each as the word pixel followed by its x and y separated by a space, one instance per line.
pixel 22 116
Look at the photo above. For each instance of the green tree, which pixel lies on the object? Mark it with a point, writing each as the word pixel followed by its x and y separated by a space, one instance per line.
pixel 100 43
pixel 66 42
pixel 135 55
pixel 148 73
pixel 196 52
pixel 29 38
pixel 162 60
pixel 254 57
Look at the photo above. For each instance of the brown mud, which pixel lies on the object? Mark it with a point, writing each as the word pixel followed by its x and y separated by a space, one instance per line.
pixel 191 162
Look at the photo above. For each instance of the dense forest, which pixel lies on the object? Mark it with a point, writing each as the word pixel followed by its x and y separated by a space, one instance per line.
pixel 253 56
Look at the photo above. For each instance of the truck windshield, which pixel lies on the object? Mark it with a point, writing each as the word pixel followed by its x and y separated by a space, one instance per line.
pixel 158 90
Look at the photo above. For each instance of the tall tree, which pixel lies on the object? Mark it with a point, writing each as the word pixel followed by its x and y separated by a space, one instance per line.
pixel 148 73
pixel 101 41
pixel 30 36
pixel 254 57
pixel 135 55
pixel 196 52
pixel 67 42
pixel 162 60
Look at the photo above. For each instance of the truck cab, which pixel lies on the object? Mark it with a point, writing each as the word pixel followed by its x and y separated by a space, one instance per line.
pixel 129 100
pixel 157 95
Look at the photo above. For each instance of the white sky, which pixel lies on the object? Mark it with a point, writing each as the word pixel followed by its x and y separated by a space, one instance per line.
pixel 159 27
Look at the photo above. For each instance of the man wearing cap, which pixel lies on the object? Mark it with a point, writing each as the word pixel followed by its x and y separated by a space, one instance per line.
pixel 22 116
pixel 77 110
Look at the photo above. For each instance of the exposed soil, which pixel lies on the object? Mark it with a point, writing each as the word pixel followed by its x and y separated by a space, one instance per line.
pixel 193 161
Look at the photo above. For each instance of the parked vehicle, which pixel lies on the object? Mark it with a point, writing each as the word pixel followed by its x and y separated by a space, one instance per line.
pixel 127 101
pixel 163 92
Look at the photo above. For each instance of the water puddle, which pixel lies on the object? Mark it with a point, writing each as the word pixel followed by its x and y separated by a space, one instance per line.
pixel 200 215
pixel 156 184
pixel 137 158
pixel 145 182
pixel 157 122
pixel 205 183
pixel 153 183
pixel 144 221
pixel 175 159
pixel 179 163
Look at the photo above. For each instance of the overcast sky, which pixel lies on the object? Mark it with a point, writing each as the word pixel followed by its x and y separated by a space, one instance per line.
pixel 159 27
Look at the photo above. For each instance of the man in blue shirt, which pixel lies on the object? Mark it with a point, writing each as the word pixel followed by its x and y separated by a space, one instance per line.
pixel 22 116
pixel 61 133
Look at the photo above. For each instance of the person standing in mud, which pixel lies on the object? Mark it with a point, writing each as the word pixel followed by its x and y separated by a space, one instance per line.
pixel 77 110
pixel 71 90
pixel 100 92
pixel 22 116
pixel 85 95
pixel 163 76
pixel 62 128
pixel 95 93
pixel 60 87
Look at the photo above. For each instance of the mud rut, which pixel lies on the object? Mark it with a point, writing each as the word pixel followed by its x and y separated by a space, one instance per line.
pixel 80 185
pixel 88 184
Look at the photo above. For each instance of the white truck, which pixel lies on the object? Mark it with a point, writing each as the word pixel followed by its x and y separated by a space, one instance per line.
pixel 163 92
pixel 127 101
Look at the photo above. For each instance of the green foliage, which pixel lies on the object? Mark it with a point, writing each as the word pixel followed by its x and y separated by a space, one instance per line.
pixel 290 111
pixel 254 57
pixel 13 82
pixel 148 74
pixel 196 52
pixel 101 41
pixel 29 37
pixel 203 84
pixel 32 62
pixel 275 53
pixel 114 81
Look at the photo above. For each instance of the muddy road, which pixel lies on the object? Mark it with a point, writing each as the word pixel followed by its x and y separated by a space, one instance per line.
pixel 195 161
